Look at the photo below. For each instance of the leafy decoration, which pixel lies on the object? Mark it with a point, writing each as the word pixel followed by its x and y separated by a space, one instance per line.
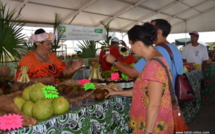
pixel 50 92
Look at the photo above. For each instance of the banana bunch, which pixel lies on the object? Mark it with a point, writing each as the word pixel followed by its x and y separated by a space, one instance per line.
pixel 95 73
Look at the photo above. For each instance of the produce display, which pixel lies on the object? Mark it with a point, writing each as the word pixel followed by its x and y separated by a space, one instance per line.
pixel 32 103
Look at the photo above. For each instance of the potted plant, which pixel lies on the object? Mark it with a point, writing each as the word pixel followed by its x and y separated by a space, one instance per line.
pixel 11 39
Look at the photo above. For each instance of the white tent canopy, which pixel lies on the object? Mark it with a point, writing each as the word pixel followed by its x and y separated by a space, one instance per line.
pixel 184 15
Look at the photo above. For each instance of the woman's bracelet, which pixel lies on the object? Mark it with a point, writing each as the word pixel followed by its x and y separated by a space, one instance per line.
pixel 146 132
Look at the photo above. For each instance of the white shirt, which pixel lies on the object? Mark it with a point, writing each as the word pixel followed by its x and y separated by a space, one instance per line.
pixel 195 54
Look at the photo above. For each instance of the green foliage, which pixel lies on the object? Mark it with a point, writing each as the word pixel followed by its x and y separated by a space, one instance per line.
pixel 108 37
pixel 57 32
pixel 88 49
pixel 10 35
pixel 210 44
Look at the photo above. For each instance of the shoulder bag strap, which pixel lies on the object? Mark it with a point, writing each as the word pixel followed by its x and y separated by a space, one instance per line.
pixel 169 51
pixel 43 58
pixel 173 97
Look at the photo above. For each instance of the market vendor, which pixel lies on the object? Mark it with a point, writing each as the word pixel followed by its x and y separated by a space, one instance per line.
pixel 44 66
pixel 112 49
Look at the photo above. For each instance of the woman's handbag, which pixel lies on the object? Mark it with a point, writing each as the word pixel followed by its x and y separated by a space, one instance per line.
pixel 180 124
pixel 183 88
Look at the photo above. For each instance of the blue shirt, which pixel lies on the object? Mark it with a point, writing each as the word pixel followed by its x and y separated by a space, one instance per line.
pixel 176 67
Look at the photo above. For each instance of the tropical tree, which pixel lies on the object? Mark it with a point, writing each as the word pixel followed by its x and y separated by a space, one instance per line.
pixel 11 37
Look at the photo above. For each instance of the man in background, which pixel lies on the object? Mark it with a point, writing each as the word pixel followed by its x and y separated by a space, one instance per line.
pixel 195 52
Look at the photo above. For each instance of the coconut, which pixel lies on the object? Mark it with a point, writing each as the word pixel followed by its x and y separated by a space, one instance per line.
pixel 4 70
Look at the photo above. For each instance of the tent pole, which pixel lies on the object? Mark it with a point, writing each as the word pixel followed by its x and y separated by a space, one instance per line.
pixel 185 26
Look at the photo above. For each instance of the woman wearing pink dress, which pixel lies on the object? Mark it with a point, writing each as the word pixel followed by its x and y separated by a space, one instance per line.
pixel 151 107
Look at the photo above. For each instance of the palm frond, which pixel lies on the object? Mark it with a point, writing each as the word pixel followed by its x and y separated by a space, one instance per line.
pixel 88 49
pixel 10 35
pixel 57 32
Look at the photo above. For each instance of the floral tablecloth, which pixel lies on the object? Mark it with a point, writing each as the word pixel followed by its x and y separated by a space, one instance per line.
pixel 208 92
pixel 107 117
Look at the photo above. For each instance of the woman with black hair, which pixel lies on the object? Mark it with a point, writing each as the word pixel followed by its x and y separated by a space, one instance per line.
pixel 44 66
pixel 151 107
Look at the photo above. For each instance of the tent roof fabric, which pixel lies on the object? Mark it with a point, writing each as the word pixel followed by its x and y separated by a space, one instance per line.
pixel 184 15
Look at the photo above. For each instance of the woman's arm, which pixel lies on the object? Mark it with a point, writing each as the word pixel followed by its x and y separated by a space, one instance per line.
pixel 113 92
pixel 155 94
pixel 73 67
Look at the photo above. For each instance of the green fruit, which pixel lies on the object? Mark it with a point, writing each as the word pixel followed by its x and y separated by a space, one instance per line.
pixel 25 93
pixel 36 93
pixel 27 107
pixel 42 110
pixel 60 105
pixel 19 101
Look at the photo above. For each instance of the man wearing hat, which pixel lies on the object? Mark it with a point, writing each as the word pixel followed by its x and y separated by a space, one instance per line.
pixel 195 52
pixel 113 50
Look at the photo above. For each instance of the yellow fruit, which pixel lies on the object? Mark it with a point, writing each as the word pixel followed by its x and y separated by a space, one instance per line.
pixel 42 109
pixel 25 93
pixel 36 92
pixel 60 105
pixel 19 101
pixel 27 107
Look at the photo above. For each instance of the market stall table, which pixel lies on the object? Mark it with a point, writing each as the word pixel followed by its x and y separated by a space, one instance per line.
pixel 106 117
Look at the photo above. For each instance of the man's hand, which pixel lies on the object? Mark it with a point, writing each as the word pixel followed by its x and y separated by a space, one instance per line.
pixel 109 58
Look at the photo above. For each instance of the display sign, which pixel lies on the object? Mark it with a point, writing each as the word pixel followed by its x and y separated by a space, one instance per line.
pixel 75 32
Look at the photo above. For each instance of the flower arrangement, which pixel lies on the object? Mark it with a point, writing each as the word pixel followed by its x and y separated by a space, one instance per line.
pixel 42 37
pixel 50 92
pixel 124 51
pixel 10 121
pixel 87 84
pixel 115 76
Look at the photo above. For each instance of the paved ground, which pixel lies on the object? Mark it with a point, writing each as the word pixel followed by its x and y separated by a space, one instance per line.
pixel 204 123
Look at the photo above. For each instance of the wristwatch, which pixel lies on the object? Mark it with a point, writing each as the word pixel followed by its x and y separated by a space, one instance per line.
pixel 114 63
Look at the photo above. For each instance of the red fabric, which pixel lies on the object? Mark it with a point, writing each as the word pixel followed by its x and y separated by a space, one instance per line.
pixel 104 64
pixel 39 69
pixel 130 59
